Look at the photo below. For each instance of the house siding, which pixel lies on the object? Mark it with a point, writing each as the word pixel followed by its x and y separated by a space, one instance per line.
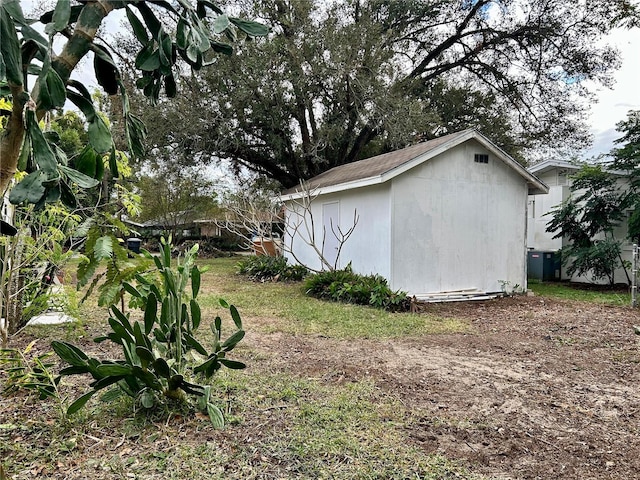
pixel 540 205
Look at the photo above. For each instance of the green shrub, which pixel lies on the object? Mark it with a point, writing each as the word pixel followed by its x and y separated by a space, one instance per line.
pixel 211 247
pixel 161 354
pixel 349 287
pixel 263 268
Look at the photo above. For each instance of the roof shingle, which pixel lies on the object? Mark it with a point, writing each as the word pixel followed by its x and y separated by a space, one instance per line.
pixel 383 167
pixel 374 166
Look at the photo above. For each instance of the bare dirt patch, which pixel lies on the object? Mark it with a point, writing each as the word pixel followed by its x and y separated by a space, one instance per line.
pixel 538 388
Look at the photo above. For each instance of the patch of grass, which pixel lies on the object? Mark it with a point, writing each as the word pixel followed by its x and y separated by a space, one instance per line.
pixel 294 312
pixel 626 356
pixel 565 341
pixel 303 428
pixel 279 424
pixel 567 291
pixel 353 321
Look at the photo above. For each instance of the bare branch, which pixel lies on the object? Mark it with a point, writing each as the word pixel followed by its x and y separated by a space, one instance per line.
pixel 345 236
pixel 252 217
pixel 300 225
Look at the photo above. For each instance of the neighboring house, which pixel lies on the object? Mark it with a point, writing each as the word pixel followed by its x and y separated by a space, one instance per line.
pixel 557 175
pixel 180 224
pixel 210 228
pixel 221 228
pixel 440 216
pixel 213 227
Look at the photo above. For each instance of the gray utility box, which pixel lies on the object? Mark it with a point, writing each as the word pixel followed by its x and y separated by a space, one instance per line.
pixel 543 266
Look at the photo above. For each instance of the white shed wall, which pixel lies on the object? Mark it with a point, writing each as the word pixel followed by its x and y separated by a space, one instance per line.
pixel 368 247
pixel 458 224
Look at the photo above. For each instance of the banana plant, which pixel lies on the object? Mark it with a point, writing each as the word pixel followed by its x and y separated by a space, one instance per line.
pixel 161 354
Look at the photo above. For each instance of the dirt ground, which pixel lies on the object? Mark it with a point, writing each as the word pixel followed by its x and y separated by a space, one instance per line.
pixel 538 389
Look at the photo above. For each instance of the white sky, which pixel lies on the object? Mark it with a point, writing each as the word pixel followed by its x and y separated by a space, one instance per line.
pixel 613 105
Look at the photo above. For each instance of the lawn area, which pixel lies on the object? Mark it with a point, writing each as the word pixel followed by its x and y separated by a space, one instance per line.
pixel 295 313
pixel 508 388
pixel 280 423
pixel 581 292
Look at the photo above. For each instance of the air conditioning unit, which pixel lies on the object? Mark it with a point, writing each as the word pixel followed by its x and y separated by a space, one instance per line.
pixel 544 266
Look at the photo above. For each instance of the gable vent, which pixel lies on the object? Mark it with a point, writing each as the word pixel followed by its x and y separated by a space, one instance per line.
pixel 481 158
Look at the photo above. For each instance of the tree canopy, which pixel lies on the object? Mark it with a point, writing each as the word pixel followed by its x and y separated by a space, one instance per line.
pixel 626 158
pixel 176 196
pixel 341 80
pixel 588 219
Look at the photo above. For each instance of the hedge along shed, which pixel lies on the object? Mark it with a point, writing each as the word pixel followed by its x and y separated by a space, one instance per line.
pixel 446 215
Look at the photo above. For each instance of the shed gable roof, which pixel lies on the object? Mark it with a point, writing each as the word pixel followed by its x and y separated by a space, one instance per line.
pixel 381 168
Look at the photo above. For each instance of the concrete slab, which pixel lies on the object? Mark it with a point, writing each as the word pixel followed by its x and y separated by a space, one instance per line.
pixel 51 318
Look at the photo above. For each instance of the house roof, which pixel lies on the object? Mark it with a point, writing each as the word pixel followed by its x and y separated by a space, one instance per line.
pixel 381 168
pixel 570 167
pixel 543 167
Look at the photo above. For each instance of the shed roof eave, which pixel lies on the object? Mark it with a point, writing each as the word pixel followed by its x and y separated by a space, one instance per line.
pixel 363 182
pixel 535 190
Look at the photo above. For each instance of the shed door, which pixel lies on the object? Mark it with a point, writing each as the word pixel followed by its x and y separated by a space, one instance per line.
pixel 330 224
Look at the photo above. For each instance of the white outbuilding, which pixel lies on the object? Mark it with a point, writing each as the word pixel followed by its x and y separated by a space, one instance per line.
pixel 446 215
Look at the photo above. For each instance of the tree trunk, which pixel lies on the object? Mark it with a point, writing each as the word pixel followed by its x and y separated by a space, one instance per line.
pixel 11 141
pixel 13 284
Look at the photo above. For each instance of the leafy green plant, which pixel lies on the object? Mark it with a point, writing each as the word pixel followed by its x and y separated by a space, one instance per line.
pixel 30 261
pixel 598 260
pixel 509 289
pixel 264 267
pixel 349 287
pixel 103 247
pixel 33 374
pixel 24 48
pixel 161 354
pixel 101 237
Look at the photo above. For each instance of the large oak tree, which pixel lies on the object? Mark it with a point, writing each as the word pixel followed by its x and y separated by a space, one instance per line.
pixel 339 80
